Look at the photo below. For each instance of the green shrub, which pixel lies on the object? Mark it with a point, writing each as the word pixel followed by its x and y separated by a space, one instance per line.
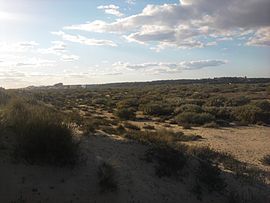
pixel 251 114
pixel 157 109
pixel 217 101
pixel 194 118
pixel 189 108
pixel 221 113
pixel 264 105
pixel 41 135
pixel 238 101
pixel 125 113
pixel 128 103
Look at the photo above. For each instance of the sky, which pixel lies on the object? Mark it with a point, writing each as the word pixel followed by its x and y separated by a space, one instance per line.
pixel 43 42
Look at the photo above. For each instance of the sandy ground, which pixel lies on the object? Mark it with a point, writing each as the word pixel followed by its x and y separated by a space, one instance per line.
pixel 136 178
pixel 247 144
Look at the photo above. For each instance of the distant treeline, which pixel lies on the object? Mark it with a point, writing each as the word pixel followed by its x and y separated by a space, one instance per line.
pixel 221 80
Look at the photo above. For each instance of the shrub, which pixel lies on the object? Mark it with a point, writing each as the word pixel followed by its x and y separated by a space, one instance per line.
pixel 189 108
pixel 251 114
pixel 128 103
pixel 4 97
pixel 157 109
pixel 125 113
pixel 237 101
pixel 106 175
pixel 222 113
pixel 194 118
pixel 120 129
pixel 88 127
pixel 41 135
pixel 209 175
pixel 169 162
pixel 217 101
pixel 264 105
pixel 266 160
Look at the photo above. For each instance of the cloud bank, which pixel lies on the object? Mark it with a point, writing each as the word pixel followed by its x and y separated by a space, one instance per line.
pixel 191 23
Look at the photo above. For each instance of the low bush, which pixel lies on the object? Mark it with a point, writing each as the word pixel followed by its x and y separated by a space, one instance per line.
pixel 266 160
pixel 251 114
pixel 107 180
pixel 157 109
pixel 168 161
pixel 238 101
pixel 125 113
pixel 41 135
pixel 194 118
pixel 209 175
pixel 217 101
pixel 89 127
pixel 189 108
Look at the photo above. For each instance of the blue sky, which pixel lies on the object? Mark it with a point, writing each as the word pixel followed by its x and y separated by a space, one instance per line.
pixel 78 42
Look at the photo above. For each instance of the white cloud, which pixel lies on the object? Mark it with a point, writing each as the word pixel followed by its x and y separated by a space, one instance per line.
pixel 260 38
pixel 157 68
pixel 83 40
pixel 185 24
pixel 111 9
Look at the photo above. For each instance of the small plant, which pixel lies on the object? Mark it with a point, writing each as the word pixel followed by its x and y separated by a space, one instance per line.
pixel 88 127
pixel 209 175
pixel 169 162
pixel 266 160
pixel 106 175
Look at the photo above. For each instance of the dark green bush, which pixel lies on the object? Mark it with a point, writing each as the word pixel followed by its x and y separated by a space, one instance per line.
pixel 238 101
pixel 42 136
pixel 251 114
pixel 157 109
pixel 194 118
pixel 125 113
pixel 264 105
pixel 217 101
pixel 189 108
